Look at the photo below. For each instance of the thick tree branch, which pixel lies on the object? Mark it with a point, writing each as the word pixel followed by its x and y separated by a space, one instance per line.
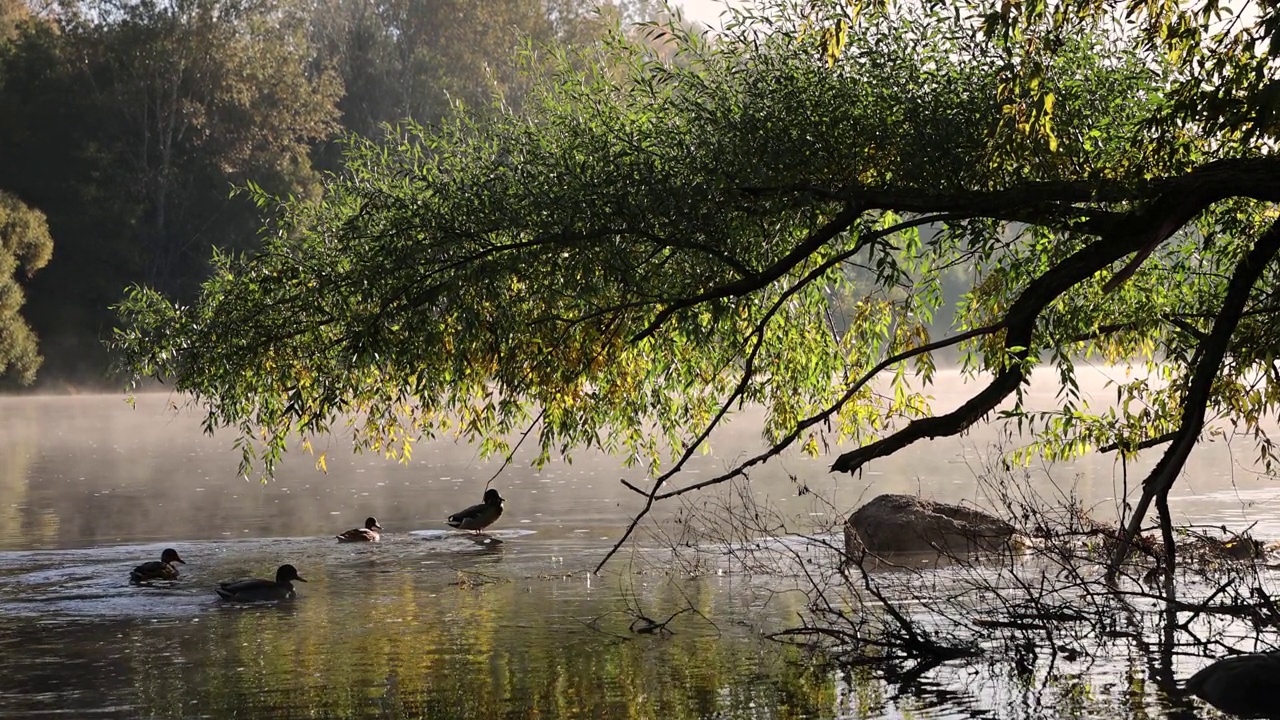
pixel 1187 328
pixel 1162 232
pixel 1208 359
pixel 1131 234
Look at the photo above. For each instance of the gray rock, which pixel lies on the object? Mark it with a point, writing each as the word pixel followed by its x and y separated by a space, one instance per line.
pixel 907 524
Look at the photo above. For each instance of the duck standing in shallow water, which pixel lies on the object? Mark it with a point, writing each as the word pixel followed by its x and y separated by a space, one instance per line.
pixel 1244 685
pixel 479 517
pixel 161 569
pixel 368 533
pixel 258 590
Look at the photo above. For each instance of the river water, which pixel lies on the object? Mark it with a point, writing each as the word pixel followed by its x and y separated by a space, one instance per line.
pixel 435 623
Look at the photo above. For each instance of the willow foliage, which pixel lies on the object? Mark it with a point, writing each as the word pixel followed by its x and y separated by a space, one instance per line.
pixel 675 226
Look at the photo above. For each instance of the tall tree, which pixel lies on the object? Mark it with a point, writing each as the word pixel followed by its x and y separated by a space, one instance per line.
pixel 25 247
pixel 53 156
pixel 12 14
pixel 199 95
pixel 655 242
pixel 415 59
pixel 129 124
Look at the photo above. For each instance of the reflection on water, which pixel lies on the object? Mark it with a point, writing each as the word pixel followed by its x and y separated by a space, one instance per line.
pixel 416 626
pixel 432 623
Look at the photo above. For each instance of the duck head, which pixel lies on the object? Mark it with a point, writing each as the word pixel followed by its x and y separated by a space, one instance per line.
pixel 288 573
pixel 491 497
pixel 372 524
pixel 171 556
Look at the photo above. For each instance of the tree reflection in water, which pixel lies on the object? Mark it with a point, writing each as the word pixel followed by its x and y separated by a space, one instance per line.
pixel 413 644
pixel 418 626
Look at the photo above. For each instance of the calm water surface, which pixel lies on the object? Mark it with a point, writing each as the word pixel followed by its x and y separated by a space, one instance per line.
pixel 434 623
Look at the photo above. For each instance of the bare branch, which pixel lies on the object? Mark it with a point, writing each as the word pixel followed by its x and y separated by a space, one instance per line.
pixel 506 461
pixel 748 371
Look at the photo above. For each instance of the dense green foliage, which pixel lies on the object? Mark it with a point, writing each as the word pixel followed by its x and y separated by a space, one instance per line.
pixel 658 238
pixel 25 247
pixel 128 124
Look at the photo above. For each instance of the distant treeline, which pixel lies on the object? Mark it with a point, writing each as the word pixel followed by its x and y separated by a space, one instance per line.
pixel 128 122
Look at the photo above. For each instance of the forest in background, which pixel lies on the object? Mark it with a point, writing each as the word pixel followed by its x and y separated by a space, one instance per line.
pixel 128 124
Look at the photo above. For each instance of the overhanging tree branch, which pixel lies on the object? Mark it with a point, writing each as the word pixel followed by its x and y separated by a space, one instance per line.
pixel 809 422
pixel 1131 234
pixel 757 339
pixel 1256 178
pixel 838 224
pixel 1142 445
pixel 1208 359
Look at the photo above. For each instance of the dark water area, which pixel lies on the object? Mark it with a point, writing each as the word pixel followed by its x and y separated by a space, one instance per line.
pixel 436 623
pixel 416 626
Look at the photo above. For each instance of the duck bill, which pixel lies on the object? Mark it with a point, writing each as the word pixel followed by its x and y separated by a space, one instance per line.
pixel 299 578
pixel 178 559
pixel 377 527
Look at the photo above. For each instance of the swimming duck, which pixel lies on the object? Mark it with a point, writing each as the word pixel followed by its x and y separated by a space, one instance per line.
pixel 368 533
pixel 161 569
pixel 1243 685
pixel 258 590
pixel 479 517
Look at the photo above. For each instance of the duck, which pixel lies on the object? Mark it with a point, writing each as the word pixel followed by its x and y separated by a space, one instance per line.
pixel 258 590
pixel 479 517
pixel 368 533
pixel 161 569
pixel 1243 685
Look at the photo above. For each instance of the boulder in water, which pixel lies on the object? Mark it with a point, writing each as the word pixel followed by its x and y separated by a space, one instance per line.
pixel 908 524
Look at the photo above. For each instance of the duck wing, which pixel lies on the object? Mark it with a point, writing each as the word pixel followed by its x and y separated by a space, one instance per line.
pixel 477 517
pixel 247 589
pixel 462 516
pixel 154 570
pixel 358 535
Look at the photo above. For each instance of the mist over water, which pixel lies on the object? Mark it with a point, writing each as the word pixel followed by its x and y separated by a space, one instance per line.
pixel 436 623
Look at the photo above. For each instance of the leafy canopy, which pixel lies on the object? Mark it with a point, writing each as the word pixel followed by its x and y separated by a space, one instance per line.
pixel 677 225
pixel 25 247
